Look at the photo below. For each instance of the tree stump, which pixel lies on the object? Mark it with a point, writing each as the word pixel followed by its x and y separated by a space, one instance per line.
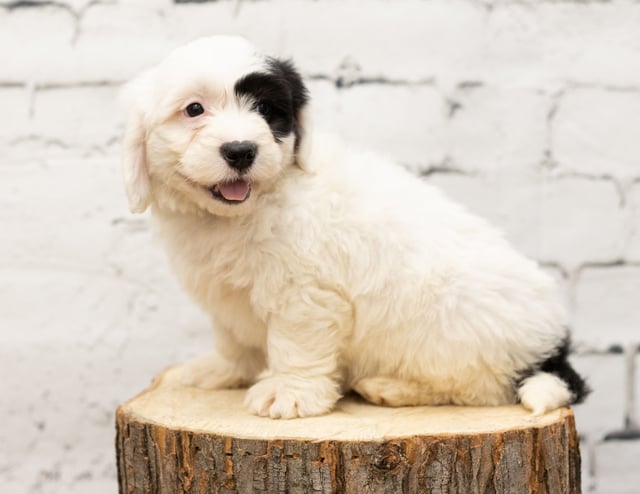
pixel 177 439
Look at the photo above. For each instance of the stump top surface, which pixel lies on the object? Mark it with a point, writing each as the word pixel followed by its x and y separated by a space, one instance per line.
pixel 172 405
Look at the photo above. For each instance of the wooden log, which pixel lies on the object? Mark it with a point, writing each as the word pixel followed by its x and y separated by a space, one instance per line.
pixel 177 439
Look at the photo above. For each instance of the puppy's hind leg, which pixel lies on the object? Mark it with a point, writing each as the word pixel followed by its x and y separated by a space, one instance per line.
pixel 211 371
pixel 230 365
pixel 394 392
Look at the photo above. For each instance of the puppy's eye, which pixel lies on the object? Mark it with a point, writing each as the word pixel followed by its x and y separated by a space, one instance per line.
pixel 194 109
pixel 264 109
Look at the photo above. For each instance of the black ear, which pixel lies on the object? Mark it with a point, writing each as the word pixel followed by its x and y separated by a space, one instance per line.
pixel 285 71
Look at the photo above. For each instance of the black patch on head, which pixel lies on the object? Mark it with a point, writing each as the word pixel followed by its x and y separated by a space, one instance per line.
pixel 558 365
pixel 278 94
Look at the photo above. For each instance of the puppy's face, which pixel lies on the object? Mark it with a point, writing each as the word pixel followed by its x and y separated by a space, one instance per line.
pixel 211 127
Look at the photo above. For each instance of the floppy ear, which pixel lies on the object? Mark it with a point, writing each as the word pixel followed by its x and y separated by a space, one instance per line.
pixel 134 163
pixel 300 99
pixel 303 138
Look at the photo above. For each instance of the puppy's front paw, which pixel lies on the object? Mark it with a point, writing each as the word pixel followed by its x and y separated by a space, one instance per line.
pixel 210 372
pixel 287 397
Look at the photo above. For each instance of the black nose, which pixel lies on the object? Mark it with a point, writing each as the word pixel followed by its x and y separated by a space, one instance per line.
pixel 239 154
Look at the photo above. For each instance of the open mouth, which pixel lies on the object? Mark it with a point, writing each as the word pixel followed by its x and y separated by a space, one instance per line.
pixel 234 192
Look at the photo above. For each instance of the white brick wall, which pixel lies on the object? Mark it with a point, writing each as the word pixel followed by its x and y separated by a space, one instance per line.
pixel 607 308
pixel 497 129
pixel 76 117
pixel 595 132
pixel 370 115
pixel 525 110
pixel 632 253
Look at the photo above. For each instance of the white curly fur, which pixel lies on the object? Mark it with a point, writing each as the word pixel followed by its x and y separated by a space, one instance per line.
pixel 340 271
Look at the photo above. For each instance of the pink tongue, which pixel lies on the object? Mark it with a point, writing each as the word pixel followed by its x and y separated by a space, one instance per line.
pixel 234 191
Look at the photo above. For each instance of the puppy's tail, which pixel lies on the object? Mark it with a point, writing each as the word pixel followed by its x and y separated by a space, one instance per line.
pixel 552 384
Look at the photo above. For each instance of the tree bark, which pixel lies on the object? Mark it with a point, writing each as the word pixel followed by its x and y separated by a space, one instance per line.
pixel 175 439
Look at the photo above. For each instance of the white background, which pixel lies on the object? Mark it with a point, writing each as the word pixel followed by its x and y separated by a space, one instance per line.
pixel 528 111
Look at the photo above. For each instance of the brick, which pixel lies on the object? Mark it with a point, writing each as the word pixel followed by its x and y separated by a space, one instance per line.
pixel 105 43
pixel 549 43
pixel 405 123
pixel 607 309
pixel 594 132
pixel 108 31
pixel 34 42
pixel 569 209
pixel 498 128
pixel 602 411
pixel 551 220
pixel 15 104
pixel 194 20
pixel 410 53
pixel 616 465
pixel 82 117
pixel 78 197
pixel 633 225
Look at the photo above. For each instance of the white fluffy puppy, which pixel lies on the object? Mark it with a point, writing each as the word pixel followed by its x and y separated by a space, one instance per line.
pixel 326 269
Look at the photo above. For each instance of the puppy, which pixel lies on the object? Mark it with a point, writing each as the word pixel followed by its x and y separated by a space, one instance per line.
pixel 325 269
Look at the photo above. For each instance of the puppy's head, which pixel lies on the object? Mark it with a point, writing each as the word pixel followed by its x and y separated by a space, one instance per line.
pixel 211 127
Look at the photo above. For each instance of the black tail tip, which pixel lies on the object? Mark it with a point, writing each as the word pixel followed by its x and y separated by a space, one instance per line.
pixel 558 365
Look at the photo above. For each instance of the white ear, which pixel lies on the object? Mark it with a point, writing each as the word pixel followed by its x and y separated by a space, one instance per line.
pixel 303 146
pixel 134 166
pixel 134 163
